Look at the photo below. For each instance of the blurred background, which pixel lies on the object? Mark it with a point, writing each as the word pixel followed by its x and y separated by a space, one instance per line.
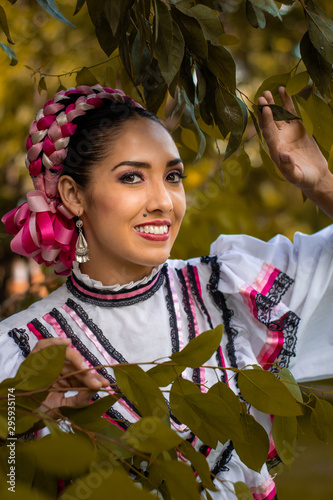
pixel 242 195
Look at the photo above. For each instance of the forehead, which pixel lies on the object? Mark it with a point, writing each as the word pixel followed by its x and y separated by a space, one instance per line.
pixel 144 136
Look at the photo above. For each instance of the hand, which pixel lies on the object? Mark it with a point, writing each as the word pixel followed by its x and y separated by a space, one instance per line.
pixel 73 362
pixel 297 156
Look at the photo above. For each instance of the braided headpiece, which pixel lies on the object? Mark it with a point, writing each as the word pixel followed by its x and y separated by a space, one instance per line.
pixel 44 227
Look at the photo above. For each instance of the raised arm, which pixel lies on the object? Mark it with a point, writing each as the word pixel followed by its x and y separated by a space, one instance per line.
pixel 297 156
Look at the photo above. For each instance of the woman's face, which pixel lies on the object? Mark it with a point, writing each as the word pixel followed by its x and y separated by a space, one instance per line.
pixel 141 175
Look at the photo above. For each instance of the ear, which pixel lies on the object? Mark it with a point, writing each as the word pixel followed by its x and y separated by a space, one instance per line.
pixel 70 194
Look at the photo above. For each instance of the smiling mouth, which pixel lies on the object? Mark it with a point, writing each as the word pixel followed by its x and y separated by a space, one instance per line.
pixel 152 229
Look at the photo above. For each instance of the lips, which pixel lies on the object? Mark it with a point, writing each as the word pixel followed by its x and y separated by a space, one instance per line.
pixel 156 230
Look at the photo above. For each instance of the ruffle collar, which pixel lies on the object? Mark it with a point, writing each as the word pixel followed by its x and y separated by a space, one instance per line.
pixel 94 292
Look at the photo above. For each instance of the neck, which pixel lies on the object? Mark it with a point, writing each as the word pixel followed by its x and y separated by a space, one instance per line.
pixel 120 276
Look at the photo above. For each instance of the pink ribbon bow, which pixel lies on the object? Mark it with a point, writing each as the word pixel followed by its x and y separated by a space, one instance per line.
pixel 45 231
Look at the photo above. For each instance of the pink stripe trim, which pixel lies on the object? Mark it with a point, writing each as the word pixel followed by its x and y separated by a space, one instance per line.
pixel 197 280
pixel 202 370
pixel 265 278
pixel 114 296
pixel 34 330
pixel 90 335
pixel 113 421
pixel 266 491
pixel 271 349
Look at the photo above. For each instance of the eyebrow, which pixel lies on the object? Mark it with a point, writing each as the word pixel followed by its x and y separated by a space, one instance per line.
pixel 143 164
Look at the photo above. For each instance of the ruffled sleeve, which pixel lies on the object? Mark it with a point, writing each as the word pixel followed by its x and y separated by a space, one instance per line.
pixel 280 295
pixel 11 355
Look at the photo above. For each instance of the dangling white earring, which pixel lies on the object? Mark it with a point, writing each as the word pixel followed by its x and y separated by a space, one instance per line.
pixel 82 250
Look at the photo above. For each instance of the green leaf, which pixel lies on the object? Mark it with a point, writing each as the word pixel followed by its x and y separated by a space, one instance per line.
pixel 253 446
pixel 151 435
pixel 229 110
pixel 266 393
pixel 192 31
pixel 321 35
pixel 227 39
pixel 210 24
pixel 269 164
pixel 272 83
pixel 165 373
pixel 268 6
pixel 199 463
pixel 242 491
pixel 307 122
pixel 4 25
pixel 297 83
pixel 322 119
pixel 285 436
pixel 290 382
pixel 202 145
pixel 109 479
pixel 109 439
pixel 105 37
pixel 322 419
pixel 200 349
pixel 3 425
pixel 318 68
pixel 255 16
pixel 279 112
pixel 23 492
pixel 203 413
pixel 40 369
pixel 137 385
pixel 170 44
pixel 42 84
pixel 51 8
pixel 90 415
pixel 222 65
pixel 85 77
pixel 79 5
pixel 201 84
pixel 226 394
pixel 10 53
pixel 50 457
pixel 115 12
pixel 180 481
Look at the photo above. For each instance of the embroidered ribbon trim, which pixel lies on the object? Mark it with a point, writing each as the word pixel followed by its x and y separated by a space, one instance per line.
pixel 44 230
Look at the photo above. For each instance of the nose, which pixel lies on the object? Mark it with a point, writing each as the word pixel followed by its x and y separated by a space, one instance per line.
pixel 159 199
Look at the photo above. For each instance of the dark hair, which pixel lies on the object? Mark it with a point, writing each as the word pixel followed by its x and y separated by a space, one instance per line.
pixel 96 130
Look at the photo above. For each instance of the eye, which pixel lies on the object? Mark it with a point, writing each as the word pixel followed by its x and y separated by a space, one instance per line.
pixel 175 177
pixel 131 178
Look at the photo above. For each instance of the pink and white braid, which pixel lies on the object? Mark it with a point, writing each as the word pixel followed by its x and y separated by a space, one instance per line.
pixel 44 228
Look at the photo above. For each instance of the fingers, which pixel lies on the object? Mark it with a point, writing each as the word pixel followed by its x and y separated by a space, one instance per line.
pixel 89 378
pixel 287 101
pixel 41 344
pixel 74 362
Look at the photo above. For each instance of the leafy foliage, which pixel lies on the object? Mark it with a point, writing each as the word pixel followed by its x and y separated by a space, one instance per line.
pixel 96 455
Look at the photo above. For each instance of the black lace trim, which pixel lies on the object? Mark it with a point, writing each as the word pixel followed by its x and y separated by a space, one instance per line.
pixel 96 331
pixel 223 460
pixel 41 329
pixel 273 462
pixel 172 314
pixel 281 284
pixel 72 281
pixel 21 338
pixel 197 296
pixel 289 326
pixel 220 301
pixel 190 319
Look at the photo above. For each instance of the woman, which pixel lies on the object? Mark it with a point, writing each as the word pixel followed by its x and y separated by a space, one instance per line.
pixel 95 156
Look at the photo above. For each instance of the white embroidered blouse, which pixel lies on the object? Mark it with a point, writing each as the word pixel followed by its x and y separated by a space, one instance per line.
pixel 274 299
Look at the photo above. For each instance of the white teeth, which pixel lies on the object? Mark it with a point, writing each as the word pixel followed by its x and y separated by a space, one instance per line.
pixel 152 229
